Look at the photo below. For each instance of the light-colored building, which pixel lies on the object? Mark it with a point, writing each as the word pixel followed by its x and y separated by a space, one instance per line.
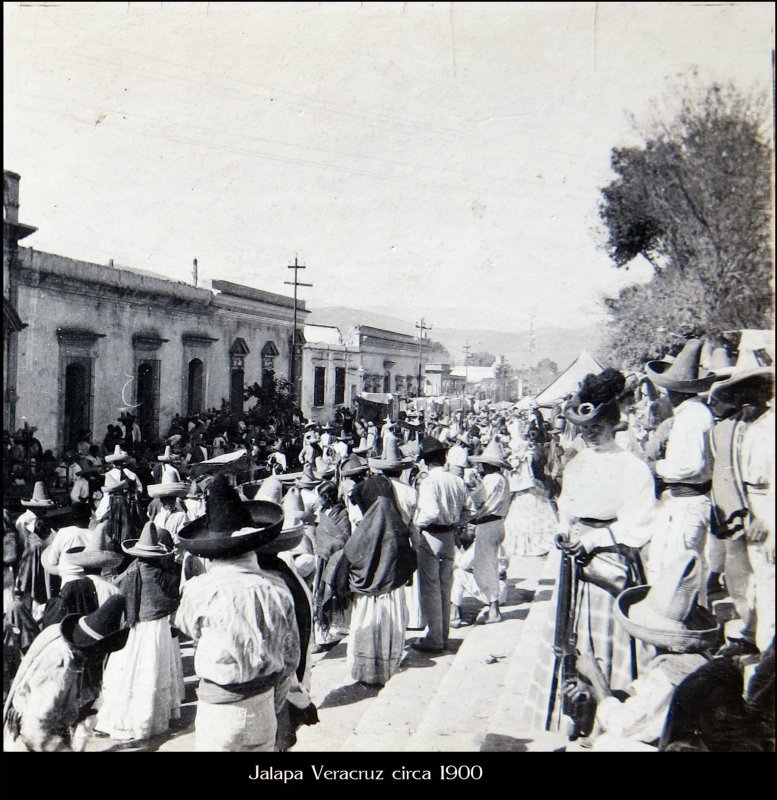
pixel 93 341
pixel 340 365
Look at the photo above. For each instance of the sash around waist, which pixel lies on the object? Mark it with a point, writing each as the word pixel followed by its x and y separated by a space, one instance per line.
pixel 590 522
pixel 210 692
pixel 439 528
pixel 689 489
pixel 485 520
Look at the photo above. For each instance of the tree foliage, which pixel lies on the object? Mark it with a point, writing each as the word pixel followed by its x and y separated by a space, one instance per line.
pixel 481 358
pixel 695 201
pixel 274 400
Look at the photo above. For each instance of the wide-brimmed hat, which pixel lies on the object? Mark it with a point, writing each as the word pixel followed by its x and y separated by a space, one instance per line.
pixel 307 480
pixel 721 363
pixel 684 374
pixel 391 458
pixel 99 631
pixel 118 455
pixel 324 469
pixel 293 508
pixel 227 529
pixel 40 497
pixel 463 438
pixel 344 436
pixel 174 439
pixel 327 427
pixel 667 614
pixel 580 413
pixel 353 465
pixel 148 546
pixel 310 425
pixel 270 489
pixel 492 455
pixel 363 446
pixel 430 446
pixel 745 386
pixel 168 487
pixel 287 539
pixel 168 455
pixel 93 559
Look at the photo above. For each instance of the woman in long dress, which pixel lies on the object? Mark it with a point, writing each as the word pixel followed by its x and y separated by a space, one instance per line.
pixel 143 684
pixel 531 522
pixel 608 497
pixel 377 562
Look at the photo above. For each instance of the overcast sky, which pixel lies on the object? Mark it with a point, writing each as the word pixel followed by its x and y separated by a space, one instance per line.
pixel 427 159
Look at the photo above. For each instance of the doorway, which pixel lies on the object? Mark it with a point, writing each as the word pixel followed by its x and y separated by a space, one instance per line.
pixel 195 394
pixel 77 397
pixel 148 399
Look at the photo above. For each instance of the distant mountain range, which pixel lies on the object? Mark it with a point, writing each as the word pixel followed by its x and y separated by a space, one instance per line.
pixel 561 345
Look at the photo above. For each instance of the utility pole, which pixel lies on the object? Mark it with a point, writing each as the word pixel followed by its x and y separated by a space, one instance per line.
pixel 466 366
pixel 422 327
pixel 532 345
pixel 293 360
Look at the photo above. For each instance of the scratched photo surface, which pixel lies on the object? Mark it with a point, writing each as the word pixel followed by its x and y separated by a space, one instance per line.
pixel 435 173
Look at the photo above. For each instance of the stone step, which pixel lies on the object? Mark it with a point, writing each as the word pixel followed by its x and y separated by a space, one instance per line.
pixel 458 716
pixel 507 728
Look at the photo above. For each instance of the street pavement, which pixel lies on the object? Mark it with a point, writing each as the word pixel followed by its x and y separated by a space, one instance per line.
pixel 467 699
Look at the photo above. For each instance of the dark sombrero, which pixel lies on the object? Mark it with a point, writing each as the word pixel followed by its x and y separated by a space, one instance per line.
pixel 230 527
pixel 684 374
pixel 98 632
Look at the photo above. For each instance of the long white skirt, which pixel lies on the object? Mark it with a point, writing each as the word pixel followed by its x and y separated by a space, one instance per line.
pixel 530 524
pixel 377 640
pixel 143 684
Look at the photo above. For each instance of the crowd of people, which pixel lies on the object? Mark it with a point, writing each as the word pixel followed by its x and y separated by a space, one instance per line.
pixel 657 487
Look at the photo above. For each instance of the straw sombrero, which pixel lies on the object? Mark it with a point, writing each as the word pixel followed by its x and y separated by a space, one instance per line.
pixel 667 614
pixel 93 559
pixel 168 455
pixel 147 546
pixel 40 497
pixel 118 455
pixel 492 455
pixel 353 465
pixel 168 487
pixel 391 458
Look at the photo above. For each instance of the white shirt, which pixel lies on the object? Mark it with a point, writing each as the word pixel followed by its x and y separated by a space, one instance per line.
pixel 688 458
pixel 407 499
pixel 606 485
pixel 63 540
pixel 497 496
pixel 757 460
pixel 442 500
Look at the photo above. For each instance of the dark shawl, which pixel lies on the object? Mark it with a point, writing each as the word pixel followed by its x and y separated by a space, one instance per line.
pixel 31 577
pixel 76 597
pixel 364 494
pixel 150 590
pixel 332 533
pixel 378 553
pixel 272 563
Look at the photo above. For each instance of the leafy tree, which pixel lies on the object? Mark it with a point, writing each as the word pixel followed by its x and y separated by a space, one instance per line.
pixel 435 352
pixel 481 358
pixel 695 201
pixel 274 400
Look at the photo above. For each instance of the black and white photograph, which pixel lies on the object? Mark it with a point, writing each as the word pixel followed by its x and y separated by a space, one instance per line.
pixel 391 379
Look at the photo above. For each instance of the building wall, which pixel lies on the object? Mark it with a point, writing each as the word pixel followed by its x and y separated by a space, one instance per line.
pixel 329 357
pixel 119 318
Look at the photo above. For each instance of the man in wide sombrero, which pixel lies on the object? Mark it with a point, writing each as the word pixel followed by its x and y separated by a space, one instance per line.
pixel 242 618
pixel 59 679
pixel 686 469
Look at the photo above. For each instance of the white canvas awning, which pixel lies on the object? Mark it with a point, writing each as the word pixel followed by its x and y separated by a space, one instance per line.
pixel 567 382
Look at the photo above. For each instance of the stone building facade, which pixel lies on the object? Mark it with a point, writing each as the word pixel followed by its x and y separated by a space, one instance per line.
pixel 341 365
pixel 94 341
